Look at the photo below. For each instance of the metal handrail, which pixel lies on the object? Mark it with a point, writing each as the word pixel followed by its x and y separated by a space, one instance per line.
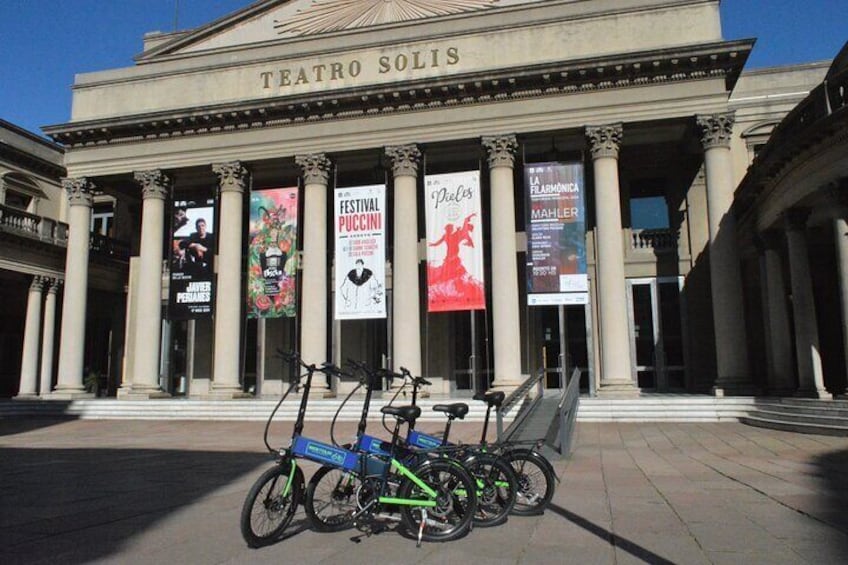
pixel 567 412
pixel 518 394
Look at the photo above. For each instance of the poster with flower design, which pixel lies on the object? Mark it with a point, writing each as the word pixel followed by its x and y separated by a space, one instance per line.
pixel 272 254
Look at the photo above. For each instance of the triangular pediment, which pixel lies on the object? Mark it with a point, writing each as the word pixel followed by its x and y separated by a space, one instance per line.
pixel 273 20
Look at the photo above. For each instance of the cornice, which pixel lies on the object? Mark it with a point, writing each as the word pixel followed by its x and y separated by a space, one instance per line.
pixel 715 60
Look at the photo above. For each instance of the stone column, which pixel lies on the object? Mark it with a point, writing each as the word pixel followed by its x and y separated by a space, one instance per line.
pixel 615 370
pixel 29 359
pixel 48 338
pixel 232 183
pixel 725 271
pixel 781 379
pixel 406 321
pixel 839 196
pixel 506 331
pixel 155 187
pixel 313 325
pixel 72 338
pixel 808 355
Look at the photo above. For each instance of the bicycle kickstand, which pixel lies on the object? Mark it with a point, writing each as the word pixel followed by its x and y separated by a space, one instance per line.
pixel 421 526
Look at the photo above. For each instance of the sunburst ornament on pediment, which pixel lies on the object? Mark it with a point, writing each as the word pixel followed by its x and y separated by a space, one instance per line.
pixel 336 15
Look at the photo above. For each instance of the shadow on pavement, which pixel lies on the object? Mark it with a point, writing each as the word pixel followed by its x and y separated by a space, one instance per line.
pixel 80 505
pixel 12 426
pixel 833 473
pixel 615 540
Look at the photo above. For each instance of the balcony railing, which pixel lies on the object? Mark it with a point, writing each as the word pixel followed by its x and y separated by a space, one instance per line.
pixel 13 220
pixel 108 247
pixel 655 240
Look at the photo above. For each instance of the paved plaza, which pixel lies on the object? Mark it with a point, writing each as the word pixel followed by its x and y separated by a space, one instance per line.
pixel 171 492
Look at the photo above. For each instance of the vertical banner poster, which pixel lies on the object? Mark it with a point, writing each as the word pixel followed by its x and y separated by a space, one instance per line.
pixel 556 234
pixel 272 253
pixel 192 260
pixel 454 242
pixel 360 252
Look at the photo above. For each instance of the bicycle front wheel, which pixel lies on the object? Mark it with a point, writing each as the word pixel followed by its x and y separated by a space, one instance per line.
pixel 455 501
pixel 331 499
pixel 270 505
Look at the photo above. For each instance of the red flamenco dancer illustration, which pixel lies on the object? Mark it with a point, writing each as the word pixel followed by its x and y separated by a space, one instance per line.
pixel 451 285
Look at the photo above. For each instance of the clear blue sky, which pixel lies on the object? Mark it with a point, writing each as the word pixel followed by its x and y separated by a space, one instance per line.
pixel 43 43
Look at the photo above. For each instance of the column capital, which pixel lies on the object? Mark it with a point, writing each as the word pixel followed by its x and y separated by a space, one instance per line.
pixel 605 141
pixel 768 240
pixel 501 150
pixel 405 159
pixel 155 184
pixel 54 285
pixel 795 219
pixel 38 283
pixel 232 176
pixel 716 129
pixel 80 191
pixel 315 168
pixel 837 194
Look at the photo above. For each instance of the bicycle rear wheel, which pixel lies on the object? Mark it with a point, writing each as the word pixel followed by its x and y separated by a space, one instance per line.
pixel 331 499
pixel 535 481
pixel 270 504
pixel 456 501
pixel 496 489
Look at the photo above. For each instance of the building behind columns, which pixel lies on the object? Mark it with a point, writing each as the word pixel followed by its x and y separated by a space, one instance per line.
pixel 647 96
pixel 33 242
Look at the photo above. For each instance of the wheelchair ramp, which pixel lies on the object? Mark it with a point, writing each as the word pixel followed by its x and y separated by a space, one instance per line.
pixel 542 422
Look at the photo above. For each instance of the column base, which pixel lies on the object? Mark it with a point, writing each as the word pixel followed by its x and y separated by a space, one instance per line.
pixel 136 394
pixel 69 395
pixel 620 389
pixel 819 394
pixel 227 392
pixel 321 393
pixel 734 387
pixel 27 396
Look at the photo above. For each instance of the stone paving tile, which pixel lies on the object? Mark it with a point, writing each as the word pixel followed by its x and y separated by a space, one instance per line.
pixel 662 493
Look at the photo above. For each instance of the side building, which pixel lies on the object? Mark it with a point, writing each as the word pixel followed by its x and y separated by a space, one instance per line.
pixel 476 192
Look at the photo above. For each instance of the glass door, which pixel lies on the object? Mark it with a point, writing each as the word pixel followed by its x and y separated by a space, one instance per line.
pixel 657 333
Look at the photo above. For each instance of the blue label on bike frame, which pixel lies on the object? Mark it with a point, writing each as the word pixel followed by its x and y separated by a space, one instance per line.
pixel 371 444
pixel 324 453
pixel 425 441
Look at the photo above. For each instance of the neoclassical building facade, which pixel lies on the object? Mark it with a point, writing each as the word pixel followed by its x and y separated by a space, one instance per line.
pixel 645 97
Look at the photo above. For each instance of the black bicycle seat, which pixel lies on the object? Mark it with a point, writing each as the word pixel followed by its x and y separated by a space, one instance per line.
pixel 455 410
pixel 491 398
pixel 405 413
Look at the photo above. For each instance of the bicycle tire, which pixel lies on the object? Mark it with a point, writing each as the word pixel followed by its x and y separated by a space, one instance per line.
pixel 497 486
pixel 266 511
pixel 456 501
pixel 334 490
pixel 536 482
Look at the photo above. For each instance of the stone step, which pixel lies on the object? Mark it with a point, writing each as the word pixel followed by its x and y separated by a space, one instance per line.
pixel 797 427
pixel 824 409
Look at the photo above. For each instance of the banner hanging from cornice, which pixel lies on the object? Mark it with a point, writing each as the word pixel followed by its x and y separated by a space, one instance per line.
pixel 455 279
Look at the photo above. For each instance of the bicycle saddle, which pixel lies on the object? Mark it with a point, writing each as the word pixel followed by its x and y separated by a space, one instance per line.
pixel 491 398
pixel 455 410
pixel 405 413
